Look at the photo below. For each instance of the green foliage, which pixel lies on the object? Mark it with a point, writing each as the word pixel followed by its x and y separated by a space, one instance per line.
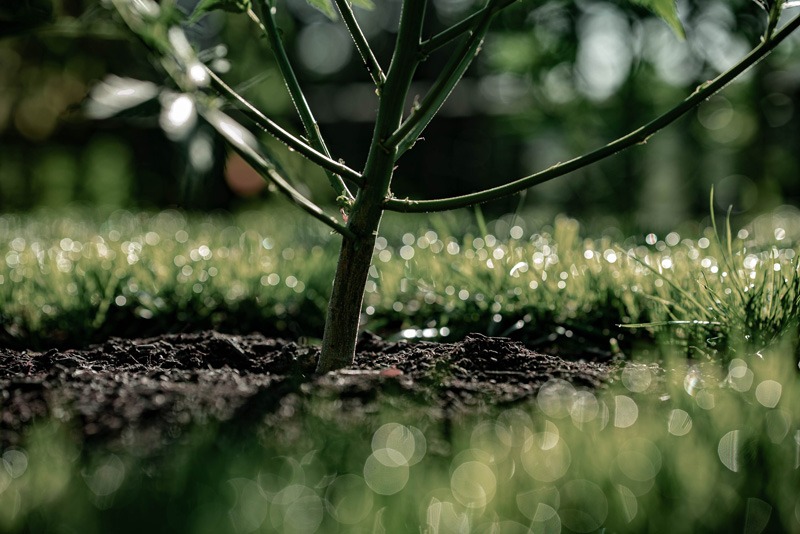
pixel 325 6
pixel 70 280
pixel 667 10
pixel 395 132
pixel 366 4
pixel 751 304
pixel 231 6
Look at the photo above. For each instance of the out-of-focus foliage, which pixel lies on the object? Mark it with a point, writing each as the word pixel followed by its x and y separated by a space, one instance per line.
pixel 666 9
pixel 71 280
pixel 554 79
pixel 701 449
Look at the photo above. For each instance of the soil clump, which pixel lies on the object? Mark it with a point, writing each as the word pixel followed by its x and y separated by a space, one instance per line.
pixel 160 385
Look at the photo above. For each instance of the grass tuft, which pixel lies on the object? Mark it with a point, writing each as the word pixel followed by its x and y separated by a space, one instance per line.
pixel 70 280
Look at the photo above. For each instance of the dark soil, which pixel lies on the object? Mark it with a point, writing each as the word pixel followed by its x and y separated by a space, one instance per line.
pixel 162 384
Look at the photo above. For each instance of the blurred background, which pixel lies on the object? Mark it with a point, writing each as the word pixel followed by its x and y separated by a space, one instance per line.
pixel 555 79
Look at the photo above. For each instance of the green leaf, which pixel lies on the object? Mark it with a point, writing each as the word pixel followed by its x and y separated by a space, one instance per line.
pixel 231 6
pixel 366 4
pixel 667 10
pixel 326 6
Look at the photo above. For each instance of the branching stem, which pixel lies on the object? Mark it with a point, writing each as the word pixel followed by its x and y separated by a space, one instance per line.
pixel 638 136
pixel 266 21
pixel 250 149
pixel 373 67
pixel 264 122
pixel 457 30
pixel 407 134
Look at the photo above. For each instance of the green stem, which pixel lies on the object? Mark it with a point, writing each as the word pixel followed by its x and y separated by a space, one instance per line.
pixel 264 122
pixel 373 67
pixel 457 30
pixel 408 132
pixel 243 142
pixel 773 16
pixel 638 136
pixel 355 257
pixel 247 146
pixel 270 28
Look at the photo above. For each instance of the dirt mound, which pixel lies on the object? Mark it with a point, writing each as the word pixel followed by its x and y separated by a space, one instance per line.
pixel 159 385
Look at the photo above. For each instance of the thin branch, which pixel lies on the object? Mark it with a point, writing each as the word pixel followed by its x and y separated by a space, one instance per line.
pixel 242 141
pixel 407 134
pixel 270 29
pixel 373 67
pixel 457 30
pixel 264 122
pixel 247 146
pixel 639 136
pixel 378 170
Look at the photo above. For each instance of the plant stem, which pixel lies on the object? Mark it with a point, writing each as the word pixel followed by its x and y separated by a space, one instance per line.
pixel 373 67
pixel 639 136
pixel 247 146
pixel 265 123
pixel 408 132
pixel 270 28
pixel 457 30
pixel 355 257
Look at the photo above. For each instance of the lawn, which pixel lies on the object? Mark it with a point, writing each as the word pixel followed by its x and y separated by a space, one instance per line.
pixel 695 428
pixel 71 279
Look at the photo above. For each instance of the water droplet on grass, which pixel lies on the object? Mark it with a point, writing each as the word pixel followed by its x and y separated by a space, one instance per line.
pixel 383 479
pixel 757 516
pixel 679 423
pixel 473 484
pixel 728 450
pixel 348 499
pixel 107 477
pixel 547 464
pixel 630 506
pixel 442 516
pixel 15 462
pixel 296 508
pixel 584 408
pixel 768 393
pixel 626 411
pixel 636 378
pixel 584 506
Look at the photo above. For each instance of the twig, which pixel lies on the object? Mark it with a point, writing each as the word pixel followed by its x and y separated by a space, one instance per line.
pixel 374 69
pixel 266 21
pixel 264 122
pixel 638 136
pixel 247 146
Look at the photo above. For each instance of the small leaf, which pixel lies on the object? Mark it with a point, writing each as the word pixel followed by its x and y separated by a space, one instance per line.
pixel 231 6
pixel 366 4
pixel 766 5
pixel 115 97
pixel 326 6
pixel 667 10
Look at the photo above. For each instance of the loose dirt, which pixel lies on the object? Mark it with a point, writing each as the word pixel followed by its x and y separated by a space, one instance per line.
pixel 159 385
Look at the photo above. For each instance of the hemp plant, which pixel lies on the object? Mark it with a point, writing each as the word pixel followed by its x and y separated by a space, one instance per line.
pixel 365 195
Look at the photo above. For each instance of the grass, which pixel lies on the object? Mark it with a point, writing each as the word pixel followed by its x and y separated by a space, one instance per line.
pixel 709 444
pixel 66 280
